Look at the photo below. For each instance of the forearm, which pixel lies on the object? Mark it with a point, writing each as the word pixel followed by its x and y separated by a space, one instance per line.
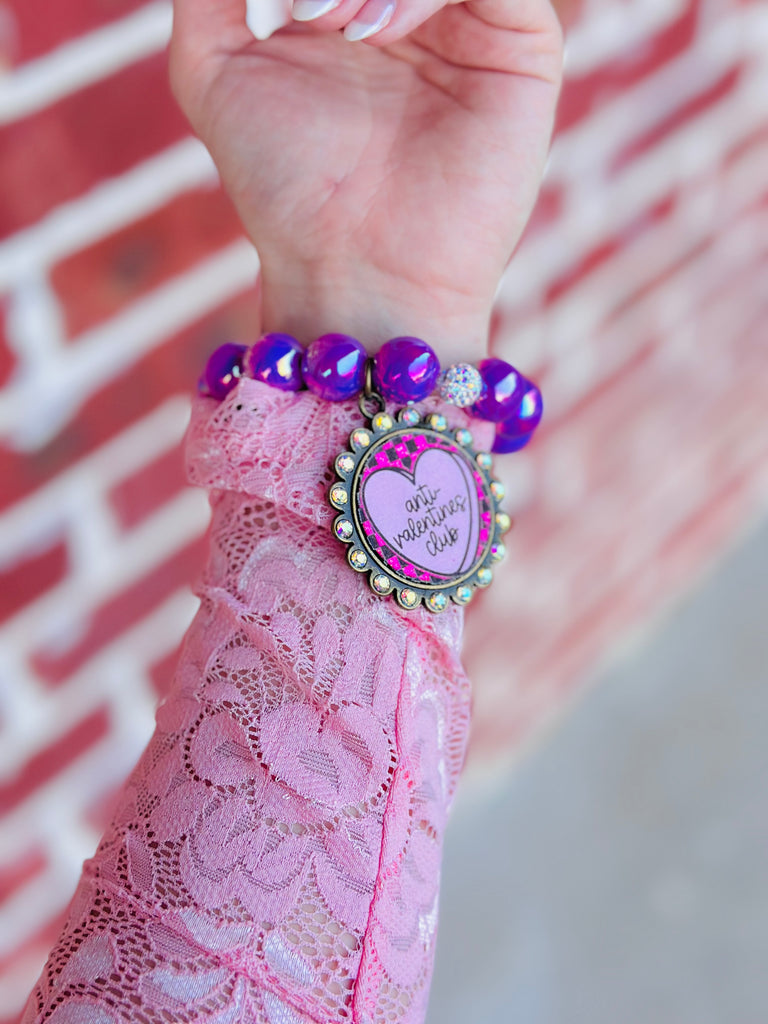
pixel 275 855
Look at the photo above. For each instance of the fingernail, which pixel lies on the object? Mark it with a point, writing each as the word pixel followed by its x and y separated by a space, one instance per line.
pixel 371 18
pixel 308 10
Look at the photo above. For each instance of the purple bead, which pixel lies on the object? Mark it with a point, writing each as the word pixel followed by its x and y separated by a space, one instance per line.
pixel 275 359
pixel 504 387
pixel 514 433
pixel 223 370
pixel 503 444
pixel 405 370
pixel 334 367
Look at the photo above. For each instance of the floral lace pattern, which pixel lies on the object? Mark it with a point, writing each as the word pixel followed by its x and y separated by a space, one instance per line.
pixel 275 855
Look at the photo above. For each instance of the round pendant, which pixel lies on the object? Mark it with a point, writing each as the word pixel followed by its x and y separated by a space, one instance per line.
pixel 419 510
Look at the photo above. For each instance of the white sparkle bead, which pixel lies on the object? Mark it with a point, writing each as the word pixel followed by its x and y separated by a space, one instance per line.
pixel 461 385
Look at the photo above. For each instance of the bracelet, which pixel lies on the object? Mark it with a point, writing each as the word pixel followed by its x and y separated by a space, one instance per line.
pixel 404 370
pixel 418 507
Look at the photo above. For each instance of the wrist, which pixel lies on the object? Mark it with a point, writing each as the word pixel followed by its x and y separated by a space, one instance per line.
pixel 373 308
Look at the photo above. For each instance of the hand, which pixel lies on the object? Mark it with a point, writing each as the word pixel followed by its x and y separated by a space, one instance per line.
pixel 384 183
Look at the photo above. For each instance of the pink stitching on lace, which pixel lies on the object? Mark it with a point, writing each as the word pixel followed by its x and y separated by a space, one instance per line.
pixel 274 858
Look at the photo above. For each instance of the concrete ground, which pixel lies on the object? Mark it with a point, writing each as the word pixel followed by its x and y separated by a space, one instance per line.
pixel 621 877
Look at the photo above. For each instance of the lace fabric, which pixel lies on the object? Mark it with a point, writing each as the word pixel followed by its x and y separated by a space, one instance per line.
pixel 275 855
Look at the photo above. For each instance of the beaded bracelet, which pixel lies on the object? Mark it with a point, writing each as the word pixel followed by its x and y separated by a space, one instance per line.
pixel 417 505
pixel 404 370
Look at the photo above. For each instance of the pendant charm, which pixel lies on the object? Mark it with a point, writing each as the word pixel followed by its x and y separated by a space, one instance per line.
pixel 418 509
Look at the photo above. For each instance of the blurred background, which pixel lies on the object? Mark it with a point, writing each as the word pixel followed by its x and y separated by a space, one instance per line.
pixel 607 856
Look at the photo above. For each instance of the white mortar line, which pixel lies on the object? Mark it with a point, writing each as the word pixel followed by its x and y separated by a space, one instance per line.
pixel 85 60
pixel 102 354
pixel 105 209
pixel 59 610
pixel 110 677
pixel 616 29
pixel 602 212
pixel 34 521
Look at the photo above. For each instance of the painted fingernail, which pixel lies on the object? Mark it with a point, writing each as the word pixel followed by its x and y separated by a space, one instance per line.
pixel 371 18
pixel 308 10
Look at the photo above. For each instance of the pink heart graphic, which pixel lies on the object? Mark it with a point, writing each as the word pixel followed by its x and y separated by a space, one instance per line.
pixel 430 517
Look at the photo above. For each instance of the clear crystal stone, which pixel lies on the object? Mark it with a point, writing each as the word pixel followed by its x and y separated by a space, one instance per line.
pixel 344 529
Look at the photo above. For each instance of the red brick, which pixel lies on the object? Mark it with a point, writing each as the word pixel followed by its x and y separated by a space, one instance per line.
pixel 41 25
pixel 95 133
pixel 162 672
pixel 699 103
pixel 35 948
pixel 123 611
pixel 96 282
pixel 31 576
pixel 48 763
pixel 100 811
pixel 21 870
pixel 172 368
pixel 141 494
pixel 586 94
pixel 7 358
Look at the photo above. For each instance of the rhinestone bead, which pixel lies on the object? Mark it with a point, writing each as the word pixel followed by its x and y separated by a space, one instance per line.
pixel 358 559
pixel 463 595
pixel 334 367
pixel 484 460
pixel 464 437
pixel 437 422
pixel 484 577
pixel 498 551
pixel 408 598
pixel 410 417
pixel 360 438
pixel 405 370
pixel 437 602
pixel 498 490
pixel 382 421
pixel 344 529
pixel 345 463
pixel 381 583
pixel 339 496
pixel 276 360
pixel 461 385
pixel 503 521
pixel 503 389
pixel 223 370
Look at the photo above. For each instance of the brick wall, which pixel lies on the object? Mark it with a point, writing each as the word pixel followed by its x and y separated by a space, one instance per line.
pixel 638 297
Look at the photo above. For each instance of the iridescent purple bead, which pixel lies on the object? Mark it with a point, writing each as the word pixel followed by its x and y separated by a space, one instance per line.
pixel 275 359
pixel 515 432
pixel 223 370
pixel 334 367
pixel 504 387
pixel 405 370
pixel 503 444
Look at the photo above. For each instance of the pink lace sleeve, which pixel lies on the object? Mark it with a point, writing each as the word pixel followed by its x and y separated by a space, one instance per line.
pixel 275 855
